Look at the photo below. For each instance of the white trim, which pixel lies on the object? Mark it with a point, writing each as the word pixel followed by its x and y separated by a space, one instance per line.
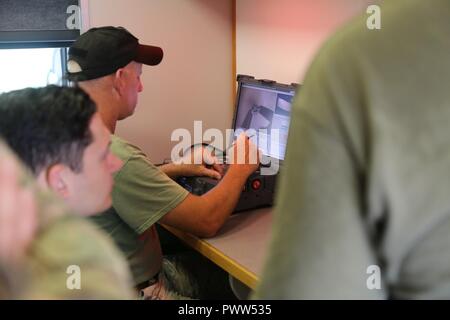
pixel 84 8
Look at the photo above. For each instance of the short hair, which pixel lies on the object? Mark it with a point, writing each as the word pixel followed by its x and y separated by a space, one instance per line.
pixel 47 126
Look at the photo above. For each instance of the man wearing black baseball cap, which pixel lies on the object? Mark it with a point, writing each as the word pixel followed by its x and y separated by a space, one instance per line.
pixel 107 63
pixel 101 51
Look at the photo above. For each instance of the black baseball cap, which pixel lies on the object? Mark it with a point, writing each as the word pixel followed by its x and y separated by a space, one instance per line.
pixel 101 51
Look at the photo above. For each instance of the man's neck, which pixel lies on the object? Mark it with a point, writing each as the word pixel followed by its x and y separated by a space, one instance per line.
pixel 108 117
pixel 106 105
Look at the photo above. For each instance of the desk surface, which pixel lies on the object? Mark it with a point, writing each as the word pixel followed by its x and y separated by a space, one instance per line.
pixel 239 247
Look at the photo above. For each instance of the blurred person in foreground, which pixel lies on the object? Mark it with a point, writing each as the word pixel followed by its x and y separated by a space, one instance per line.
pixel 363 209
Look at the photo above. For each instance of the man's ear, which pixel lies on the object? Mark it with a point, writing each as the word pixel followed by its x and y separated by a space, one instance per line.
pixel 118 81
pixel 57 180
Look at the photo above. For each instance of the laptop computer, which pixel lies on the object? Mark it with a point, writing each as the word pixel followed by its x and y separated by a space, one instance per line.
pixel 263 109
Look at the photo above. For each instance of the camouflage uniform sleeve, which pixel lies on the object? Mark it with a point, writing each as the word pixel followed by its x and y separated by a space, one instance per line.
pixel 74 260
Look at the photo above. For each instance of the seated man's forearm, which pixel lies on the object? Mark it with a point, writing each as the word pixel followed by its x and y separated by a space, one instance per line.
pixel 171 170
pixel 204 215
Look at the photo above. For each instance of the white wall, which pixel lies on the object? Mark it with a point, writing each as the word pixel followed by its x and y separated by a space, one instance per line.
pixel 277 39
pixel 194 81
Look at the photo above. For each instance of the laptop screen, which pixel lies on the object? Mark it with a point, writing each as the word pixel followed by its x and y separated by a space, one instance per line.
pixel 263 110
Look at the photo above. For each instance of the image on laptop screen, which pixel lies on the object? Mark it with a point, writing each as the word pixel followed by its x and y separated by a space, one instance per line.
pixel 266 110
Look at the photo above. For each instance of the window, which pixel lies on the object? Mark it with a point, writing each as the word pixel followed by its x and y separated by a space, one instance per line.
pixel 21 68
pixel 34 41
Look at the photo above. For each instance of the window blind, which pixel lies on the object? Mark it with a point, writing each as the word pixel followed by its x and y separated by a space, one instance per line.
pixel 43 23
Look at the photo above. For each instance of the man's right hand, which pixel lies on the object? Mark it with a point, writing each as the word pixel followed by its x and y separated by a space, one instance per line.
pixel 244 156
pixel 204 215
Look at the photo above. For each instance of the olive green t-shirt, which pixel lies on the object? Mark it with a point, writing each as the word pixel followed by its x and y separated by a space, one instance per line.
pixel 142 194
pixel 366 181
pixel 69 257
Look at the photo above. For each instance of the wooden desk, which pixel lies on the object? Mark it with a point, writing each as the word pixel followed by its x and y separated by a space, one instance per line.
pixel 240 246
